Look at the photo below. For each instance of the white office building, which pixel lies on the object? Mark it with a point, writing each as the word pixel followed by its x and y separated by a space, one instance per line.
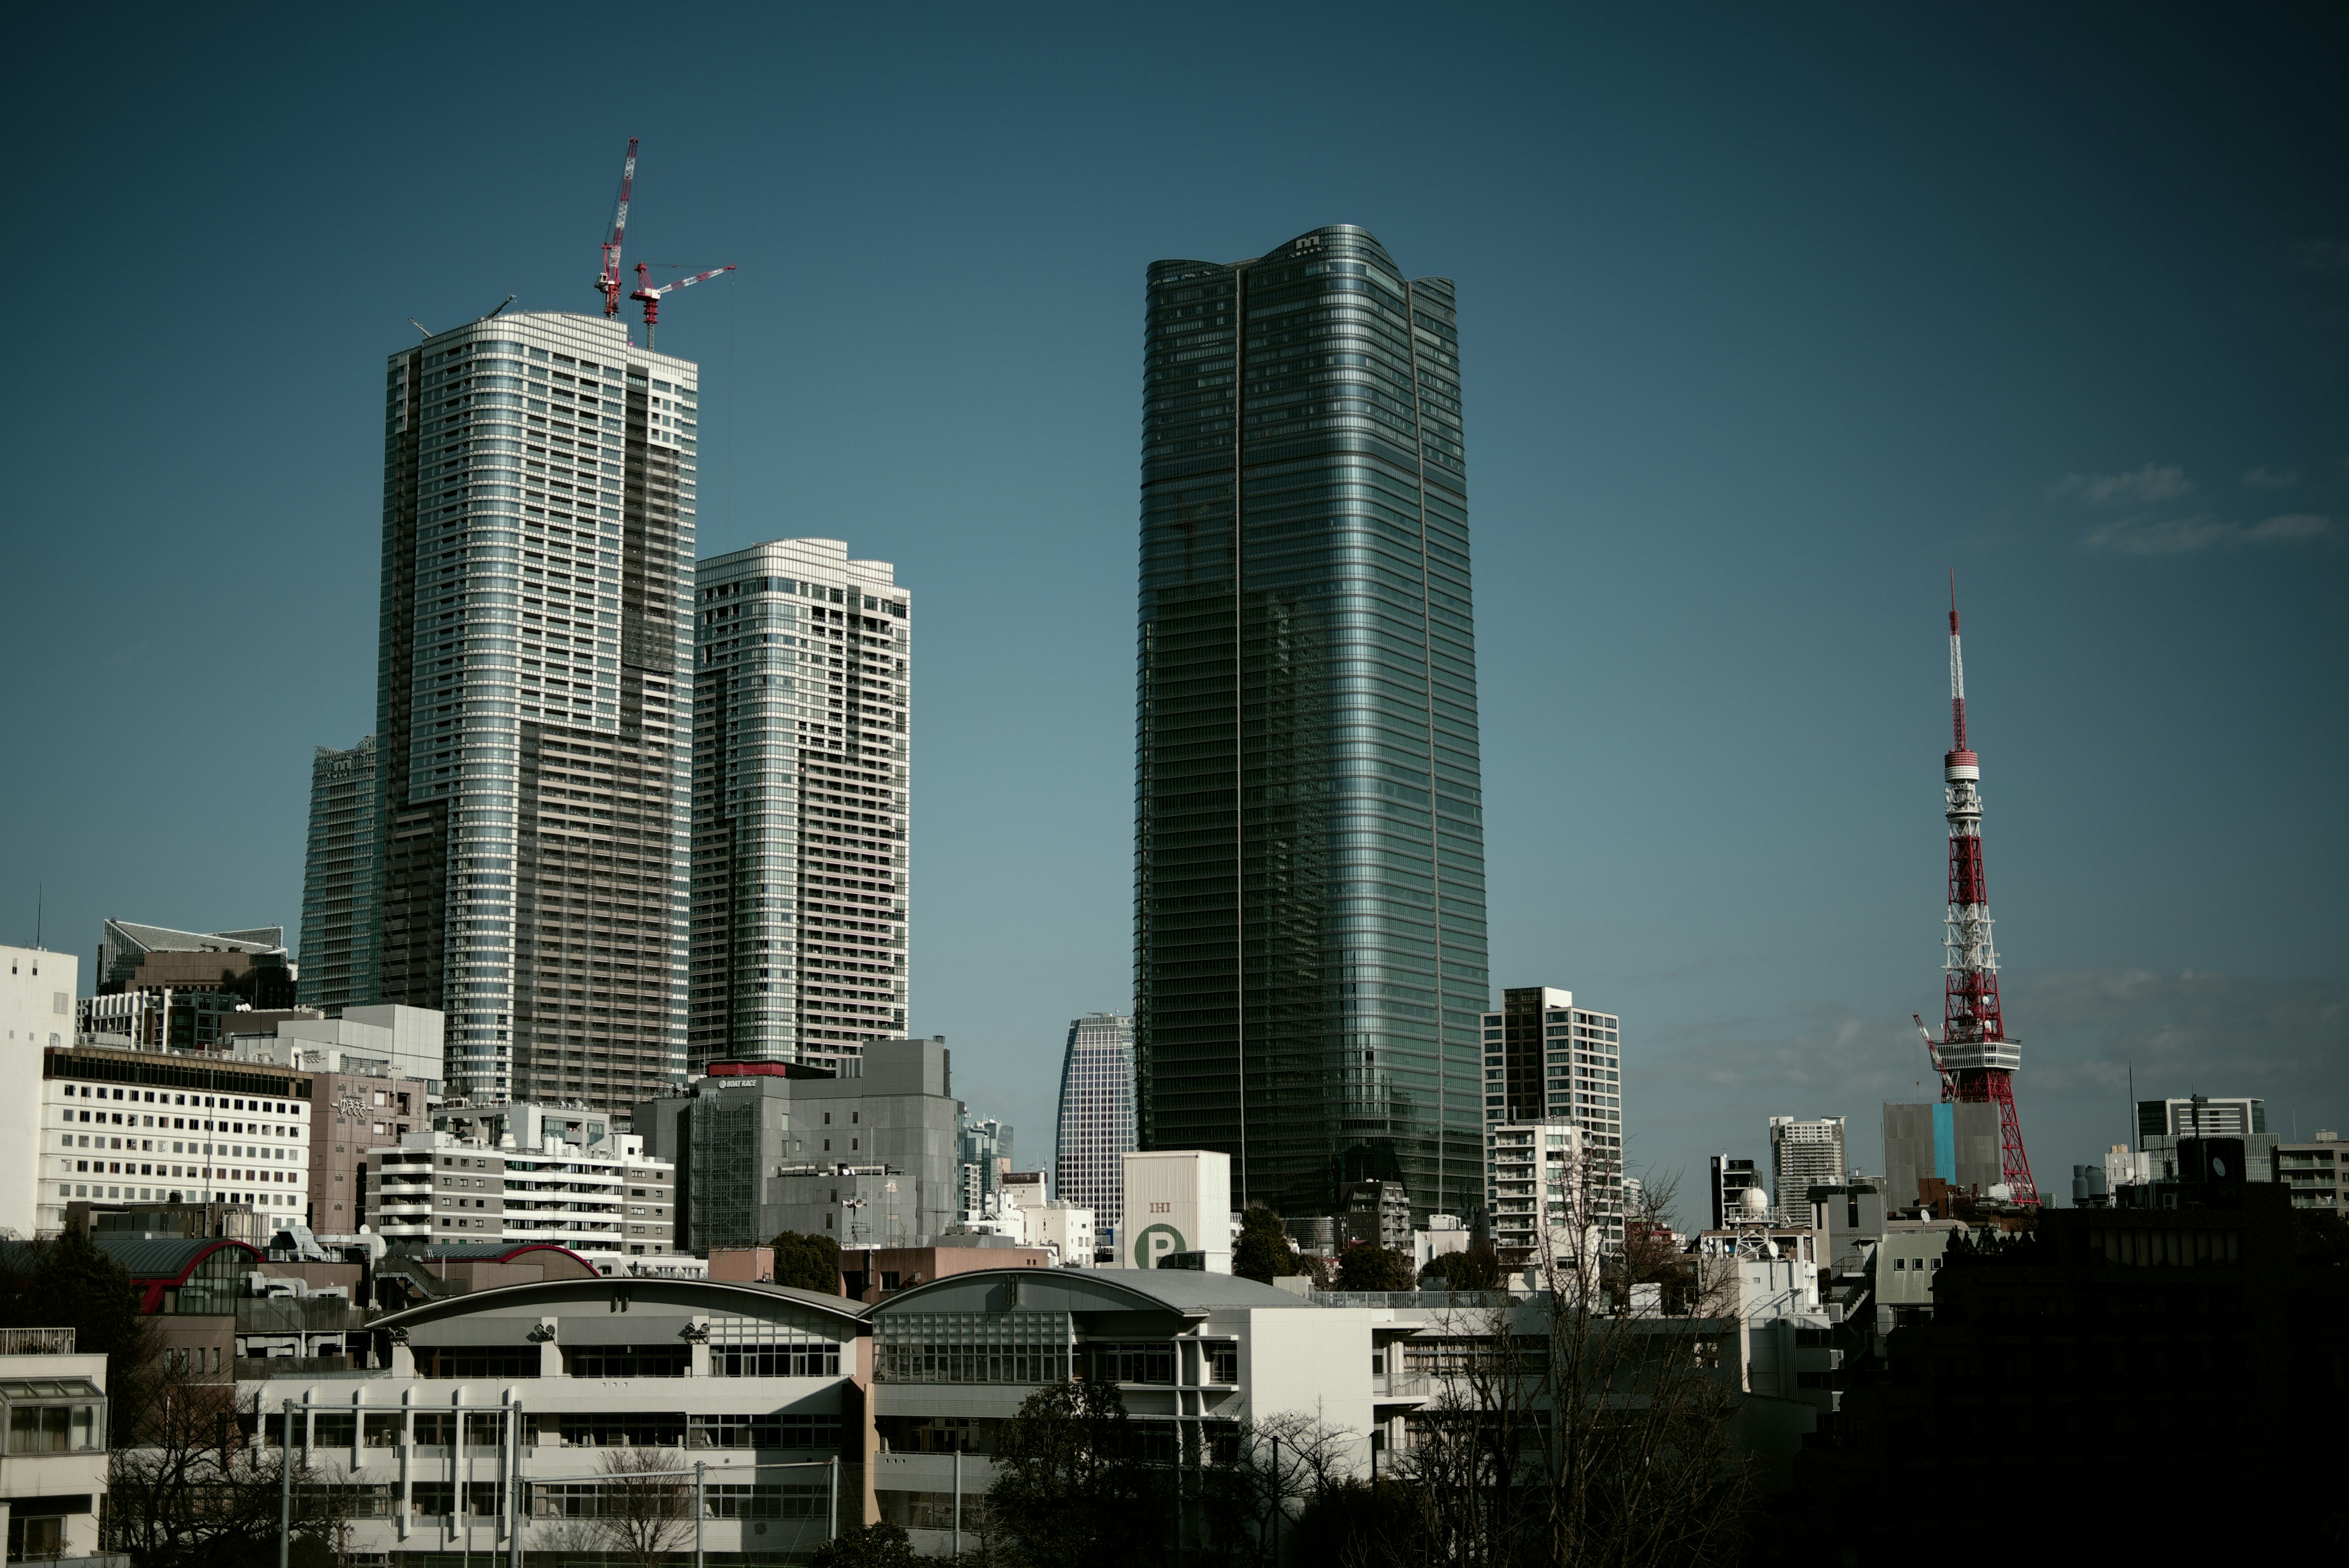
pixel 533 704
pixel 1804 1155
pixel 801 773
pixel 605 1199
pixel 37 1015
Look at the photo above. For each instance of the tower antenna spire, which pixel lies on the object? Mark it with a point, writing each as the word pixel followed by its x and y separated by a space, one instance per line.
pixel 1975 1060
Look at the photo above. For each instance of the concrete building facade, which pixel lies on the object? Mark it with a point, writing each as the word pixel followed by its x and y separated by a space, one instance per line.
pixel 1955 1141
pixel 866 1153
pixel 123 1129
pixel 37 1015
pixel 801 775
pixel 605 1201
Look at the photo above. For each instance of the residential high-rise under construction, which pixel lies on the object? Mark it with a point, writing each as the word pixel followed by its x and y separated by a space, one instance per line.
pixel 533 704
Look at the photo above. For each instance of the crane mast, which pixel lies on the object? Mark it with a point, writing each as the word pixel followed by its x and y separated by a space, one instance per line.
pixel 607 280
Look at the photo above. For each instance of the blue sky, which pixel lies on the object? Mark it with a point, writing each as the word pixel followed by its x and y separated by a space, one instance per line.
pixel 1769 319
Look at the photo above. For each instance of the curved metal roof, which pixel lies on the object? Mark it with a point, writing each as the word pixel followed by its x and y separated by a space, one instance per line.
pixel 170 1260
pixel 1149 1290
pixel 716 1295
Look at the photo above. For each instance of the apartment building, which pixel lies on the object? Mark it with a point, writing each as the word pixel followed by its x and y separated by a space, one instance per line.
pixel 604 1200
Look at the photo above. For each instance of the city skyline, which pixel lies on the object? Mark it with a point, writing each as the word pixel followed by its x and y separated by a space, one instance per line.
pixel 1995 295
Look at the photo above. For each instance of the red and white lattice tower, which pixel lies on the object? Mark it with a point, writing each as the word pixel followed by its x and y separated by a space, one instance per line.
pixel 1976 1060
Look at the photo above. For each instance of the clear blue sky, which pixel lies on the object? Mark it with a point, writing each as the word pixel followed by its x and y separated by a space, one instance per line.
pixel 1770 316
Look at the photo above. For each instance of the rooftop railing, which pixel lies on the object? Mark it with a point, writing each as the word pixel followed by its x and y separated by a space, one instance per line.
pixel 37 1341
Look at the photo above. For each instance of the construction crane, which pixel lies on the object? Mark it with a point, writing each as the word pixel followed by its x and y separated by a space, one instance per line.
pixel 652 295
pixel 608 280
pixel 1974 1059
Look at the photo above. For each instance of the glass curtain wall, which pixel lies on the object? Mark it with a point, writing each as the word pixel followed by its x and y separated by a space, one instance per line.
pixel 1309 894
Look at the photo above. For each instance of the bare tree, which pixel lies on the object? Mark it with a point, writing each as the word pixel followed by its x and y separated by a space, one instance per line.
pixel 185 1486
pixel 1586 1424
pixel 644 1506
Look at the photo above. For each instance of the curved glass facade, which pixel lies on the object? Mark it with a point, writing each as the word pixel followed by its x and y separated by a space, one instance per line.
pixel 1309 889
pixel 1096 1126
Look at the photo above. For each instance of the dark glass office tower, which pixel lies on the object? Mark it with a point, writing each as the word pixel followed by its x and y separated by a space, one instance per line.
pixel 1309 873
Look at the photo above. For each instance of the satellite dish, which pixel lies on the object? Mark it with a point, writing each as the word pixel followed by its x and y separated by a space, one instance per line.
pixel 1770 1249
pixel 2218 1166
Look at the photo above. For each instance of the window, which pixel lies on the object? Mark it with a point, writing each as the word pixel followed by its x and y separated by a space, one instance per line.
pixel 52 1429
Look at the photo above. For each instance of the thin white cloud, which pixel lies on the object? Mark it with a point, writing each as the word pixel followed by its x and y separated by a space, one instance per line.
pixel 2291 527
pixel 2271 478
pixel 2153 481
pixel 2145 535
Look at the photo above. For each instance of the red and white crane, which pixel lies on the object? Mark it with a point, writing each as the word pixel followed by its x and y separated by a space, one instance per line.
pixel 651 295
pixel 608 280
pixel 1974 1059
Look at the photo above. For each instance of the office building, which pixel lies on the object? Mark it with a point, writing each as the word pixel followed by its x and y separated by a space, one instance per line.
pixel 533 704
pixel 605 1199
pixel 986 1160
pixel 126 1129
pixel 1804 1155
pixel 2161 1122
pixel 1548 1060
pixel 867 1153
pixel 163 989
pixel 2315 1172
pixel 1096 1121
pixel 1309 896
pixel 375 1074
pixel 37 1015
pixel 342 898
pixel 1730 1181
pixel 800 773
pixel 400 1041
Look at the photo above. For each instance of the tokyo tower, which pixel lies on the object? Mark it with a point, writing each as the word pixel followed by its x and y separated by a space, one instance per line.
pixel 1974 1058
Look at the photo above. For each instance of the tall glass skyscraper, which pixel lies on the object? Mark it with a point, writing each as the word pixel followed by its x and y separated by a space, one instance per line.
pixel 1096 1122
pixel 802 772
pixel 533 704
pixel 1309 875
pixel 341 896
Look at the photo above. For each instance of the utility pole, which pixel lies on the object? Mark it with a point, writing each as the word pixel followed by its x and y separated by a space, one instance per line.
pixel 285 1487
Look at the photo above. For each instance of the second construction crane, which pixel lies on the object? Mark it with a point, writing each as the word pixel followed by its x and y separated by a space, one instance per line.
pixel 608 281
pixel 1974 1058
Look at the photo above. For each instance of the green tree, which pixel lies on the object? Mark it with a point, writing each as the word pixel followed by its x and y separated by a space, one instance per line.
pixel 810 1262
pixel 1369 1267
pixel 882 1545
pixel 1072 1486
pixel 1263 1252
pixel 1477 1268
